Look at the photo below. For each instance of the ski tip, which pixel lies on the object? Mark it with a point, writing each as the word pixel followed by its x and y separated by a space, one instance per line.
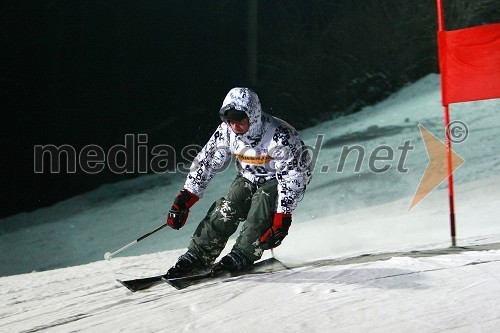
pixel 124 283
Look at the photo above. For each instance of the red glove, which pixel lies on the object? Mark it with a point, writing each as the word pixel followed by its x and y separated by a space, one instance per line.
pixel 178 214
pixel 275 235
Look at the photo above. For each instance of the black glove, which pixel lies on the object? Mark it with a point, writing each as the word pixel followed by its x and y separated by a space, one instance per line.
pixel 178 214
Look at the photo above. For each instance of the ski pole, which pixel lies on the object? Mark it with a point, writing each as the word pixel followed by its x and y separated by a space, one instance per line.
pixel 109 255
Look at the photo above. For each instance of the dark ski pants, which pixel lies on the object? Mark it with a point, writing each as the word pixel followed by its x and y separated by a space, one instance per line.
pixel 244 202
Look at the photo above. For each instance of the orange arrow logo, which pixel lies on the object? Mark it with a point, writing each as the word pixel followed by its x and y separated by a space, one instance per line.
pixel 437 170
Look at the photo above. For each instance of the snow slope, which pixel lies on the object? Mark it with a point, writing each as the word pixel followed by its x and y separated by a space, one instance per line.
pixel 457 292
pixel 388 269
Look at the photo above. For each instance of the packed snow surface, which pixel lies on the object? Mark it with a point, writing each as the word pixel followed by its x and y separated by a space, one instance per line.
pixel 367 263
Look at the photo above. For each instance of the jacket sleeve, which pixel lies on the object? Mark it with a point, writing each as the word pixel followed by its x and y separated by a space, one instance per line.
pixel 293 168
pixel 211 159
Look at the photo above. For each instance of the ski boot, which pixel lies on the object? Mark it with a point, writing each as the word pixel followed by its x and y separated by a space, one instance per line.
pixel 186 264
pixel 232 262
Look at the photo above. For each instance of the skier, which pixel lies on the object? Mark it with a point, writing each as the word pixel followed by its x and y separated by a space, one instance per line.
pixel 273 171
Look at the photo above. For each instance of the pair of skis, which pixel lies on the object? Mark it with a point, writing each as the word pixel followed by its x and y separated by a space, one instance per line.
pixel 264 266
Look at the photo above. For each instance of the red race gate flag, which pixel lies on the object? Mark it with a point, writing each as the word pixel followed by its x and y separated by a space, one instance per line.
pixel 469 60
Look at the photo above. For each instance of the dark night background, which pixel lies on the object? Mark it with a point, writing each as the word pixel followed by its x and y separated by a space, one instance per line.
pixel 89 72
